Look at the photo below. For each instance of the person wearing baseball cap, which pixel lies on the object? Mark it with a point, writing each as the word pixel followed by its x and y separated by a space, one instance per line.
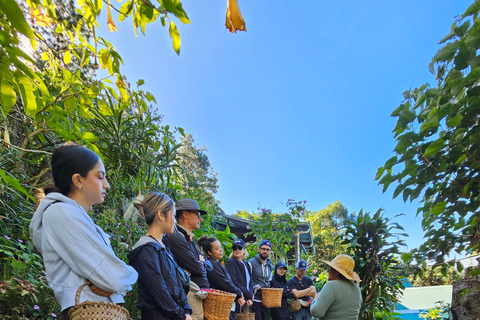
pixel 261 275
pixel 279 280
pixel 240 272
pixel 303 288
pixel 185 251
pixel 340 297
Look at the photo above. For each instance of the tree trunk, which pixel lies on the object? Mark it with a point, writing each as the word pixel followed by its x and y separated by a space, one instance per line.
pixel 466 300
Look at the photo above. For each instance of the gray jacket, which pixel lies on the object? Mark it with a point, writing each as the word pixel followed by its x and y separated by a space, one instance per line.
pixel 74 248
pixel 261 274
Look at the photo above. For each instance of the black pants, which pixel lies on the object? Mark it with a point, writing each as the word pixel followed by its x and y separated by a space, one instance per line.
pixel 261 312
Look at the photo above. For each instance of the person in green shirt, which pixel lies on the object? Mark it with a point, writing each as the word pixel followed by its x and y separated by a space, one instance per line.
pixel 340 298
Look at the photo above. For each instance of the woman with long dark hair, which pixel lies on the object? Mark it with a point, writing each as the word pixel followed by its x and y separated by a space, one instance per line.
pixel 73 247
pixel 160 292
pixel 218 277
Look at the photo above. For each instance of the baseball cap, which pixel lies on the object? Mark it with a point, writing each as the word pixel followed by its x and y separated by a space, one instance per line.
pixel 188 205
pixel 280 265
pixel 238 243
pixel 301 265
pixel 266 243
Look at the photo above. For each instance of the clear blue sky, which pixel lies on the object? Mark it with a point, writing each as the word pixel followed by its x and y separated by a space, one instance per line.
pixel 299 105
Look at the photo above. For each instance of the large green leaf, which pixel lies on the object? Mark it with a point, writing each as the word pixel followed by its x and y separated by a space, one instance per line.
pixel 8 97
pixel 26 92
pixel 15 16
pixel 434 147
pixel 14 183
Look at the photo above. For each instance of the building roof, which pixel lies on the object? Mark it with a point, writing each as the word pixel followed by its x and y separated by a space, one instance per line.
pixel 422 298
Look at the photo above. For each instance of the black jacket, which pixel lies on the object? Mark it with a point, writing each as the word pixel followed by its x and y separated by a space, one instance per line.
pixel 187 255
pixel 236 269
pixel 219 279
pixel 158 285
pixel 283 312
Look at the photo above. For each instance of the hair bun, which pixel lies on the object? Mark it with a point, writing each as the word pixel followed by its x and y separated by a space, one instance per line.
pixel 137 204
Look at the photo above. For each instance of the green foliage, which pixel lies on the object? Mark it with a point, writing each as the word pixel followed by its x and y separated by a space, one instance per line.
pixel 435 276
pixel 369 238
pixel 438 142
pixel 197 178
pixel 327 224
pixel 24 290
pixel 279 228
pixel 441 311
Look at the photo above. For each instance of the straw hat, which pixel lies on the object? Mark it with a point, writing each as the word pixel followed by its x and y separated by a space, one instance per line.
pixel 344 264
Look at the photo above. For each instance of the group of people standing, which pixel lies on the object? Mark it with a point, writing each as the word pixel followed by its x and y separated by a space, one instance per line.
pixel 74 249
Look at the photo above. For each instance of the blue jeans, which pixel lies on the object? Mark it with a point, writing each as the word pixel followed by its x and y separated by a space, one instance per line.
pixel 302 314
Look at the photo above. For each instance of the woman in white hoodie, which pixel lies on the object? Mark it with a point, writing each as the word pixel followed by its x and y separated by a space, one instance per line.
pixel 73 247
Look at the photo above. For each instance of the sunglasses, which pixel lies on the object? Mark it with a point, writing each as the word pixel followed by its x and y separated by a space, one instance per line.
pixel 237 248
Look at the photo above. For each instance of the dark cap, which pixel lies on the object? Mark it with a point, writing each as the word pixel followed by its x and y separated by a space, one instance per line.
pixel 188 205
pixel 301 265
pixel 238 243
pixel 265 243
pixel 280 265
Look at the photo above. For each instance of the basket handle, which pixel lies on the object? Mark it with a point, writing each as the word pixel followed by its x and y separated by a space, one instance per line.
pixel 243 308
pixel 79 290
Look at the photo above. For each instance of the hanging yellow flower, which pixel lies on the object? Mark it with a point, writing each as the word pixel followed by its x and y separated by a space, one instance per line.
pixel 110 23
pixel 234 20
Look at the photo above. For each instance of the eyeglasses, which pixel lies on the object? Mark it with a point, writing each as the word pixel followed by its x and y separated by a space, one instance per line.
pixel 237 248
pixel 301 284
pixel 195 213
pixel 265 249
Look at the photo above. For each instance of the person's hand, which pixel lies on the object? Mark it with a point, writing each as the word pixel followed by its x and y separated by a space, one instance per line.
pixel 201 257
pixel 249 302
pixel 294 291
pixel 188 317
pixel 208 265
pixel 99 291
pixel 241 301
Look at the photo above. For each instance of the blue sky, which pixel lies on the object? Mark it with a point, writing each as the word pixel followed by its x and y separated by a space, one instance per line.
pixel 299 105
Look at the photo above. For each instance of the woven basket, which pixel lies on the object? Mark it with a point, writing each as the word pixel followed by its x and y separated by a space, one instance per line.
pixel 245 313
pixel 218 304
pixel 294 305
pixel 272 297
pixel 98 310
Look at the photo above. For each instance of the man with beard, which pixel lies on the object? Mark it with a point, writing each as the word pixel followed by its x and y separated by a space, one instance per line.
pixel 261 275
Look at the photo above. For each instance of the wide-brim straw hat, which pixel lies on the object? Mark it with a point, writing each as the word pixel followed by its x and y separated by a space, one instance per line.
pixel 344 264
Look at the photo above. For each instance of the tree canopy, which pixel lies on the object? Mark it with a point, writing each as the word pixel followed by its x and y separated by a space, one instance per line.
pixel 438 145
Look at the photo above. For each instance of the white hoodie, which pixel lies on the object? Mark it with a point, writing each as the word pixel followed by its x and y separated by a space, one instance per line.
pixel 74 249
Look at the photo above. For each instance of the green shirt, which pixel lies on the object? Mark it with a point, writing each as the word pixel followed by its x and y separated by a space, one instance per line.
pixel 338 300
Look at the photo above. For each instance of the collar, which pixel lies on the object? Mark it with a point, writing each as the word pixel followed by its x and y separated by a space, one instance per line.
pixel 190 233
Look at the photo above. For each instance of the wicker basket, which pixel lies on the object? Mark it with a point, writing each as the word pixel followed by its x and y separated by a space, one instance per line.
pixel 294 305
pixel 97 310
pixel 272 297
pixel 218 304
pixel 245 313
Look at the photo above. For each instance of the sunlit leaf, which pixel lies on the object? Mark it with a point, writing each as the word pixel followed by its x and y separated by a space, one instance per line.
pixel 175 35
pixel 67 57
pixel 15 16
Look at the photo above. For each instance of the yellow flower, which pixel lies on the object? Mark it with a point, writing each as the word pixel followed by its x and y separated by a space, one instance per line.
pixel 234 20
pixel 110 23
